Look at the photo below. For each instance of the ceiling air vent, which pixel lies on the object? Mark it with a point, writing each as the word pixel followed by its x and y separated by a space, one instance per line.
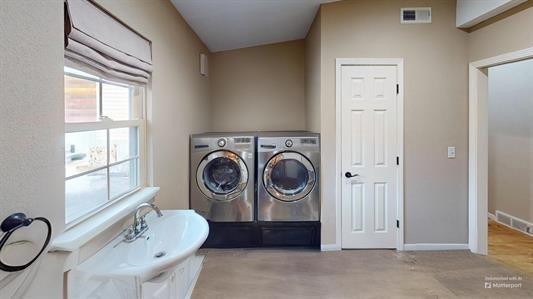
pixel 415 15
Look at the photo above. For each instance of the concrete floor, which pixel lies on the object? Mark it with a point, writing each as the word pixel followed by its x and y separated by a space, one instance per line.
pixel 299 273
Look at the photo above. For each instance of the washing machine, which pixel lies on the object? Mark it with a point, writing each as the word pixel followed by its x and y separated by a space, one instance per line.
pixel 288 165
pixel 222 171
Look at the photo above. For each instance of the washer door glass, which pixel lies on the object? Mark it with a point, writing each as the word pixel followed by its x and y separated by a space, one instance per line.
pixel 289 176
pixel 222 175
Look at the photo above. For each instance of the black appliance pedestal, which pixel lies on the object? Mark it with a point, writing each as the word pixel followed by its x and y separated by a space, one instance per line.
pixel 263 234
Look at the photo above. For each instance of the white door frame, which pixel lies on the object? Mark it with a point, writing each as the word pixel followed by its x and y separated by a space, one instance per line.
pixel 340 62
pixel 478 146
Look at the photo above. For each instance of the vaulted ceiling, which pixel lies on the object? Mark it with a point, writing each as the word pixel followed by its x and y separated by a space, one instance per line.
pixel 232 24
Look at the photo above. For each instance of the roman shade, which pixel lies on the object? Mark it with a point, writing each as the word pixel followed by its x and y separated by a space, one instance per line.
pixel 95 38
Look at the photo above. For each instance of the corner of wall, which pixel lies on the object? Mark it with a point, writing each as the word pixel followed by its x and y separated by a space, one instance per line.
pixel 313 81
pixel 504 33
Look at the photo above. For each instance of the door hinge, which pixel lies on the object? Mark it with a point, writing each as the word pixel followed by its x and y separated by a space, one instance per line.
pixel 397 223
pixel 397 88
pixel 397 160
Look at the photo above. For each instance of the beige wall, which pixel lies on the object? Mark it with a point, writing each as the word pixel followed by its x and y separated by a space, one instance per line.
pixel 32 121
pixel 435 60
pixel 435 99
pixel 313 82
pixel 258 88
pixel 180 95
pixel 32 115
pixel 512 33
pixel 507 35
pixel 511 139
pixel 32 128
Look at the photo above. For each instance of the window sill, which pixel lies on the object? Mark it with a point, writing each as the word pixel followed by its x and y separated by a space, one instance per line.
pixel 75 237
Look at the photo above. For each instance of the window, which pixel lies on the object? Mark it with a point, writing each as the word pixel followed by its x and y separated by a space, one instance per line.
pixel 104 142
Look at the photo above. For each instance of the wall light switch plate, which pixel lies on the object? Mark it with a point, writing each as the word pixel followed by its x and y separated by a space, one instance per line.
pixel 204 68
pixel 451 152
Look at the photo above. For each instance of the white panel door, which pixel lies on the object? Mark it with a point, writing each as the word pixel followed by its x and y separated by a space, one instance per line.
pixel 369 151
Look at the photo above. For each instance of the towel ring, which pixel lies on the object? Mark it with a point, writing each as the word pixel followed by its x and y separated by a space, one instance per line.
pixel 10 225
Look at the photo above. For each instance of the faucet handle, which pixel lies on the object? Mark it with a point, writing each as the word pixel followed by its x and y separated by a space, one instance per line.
pixel 129 233
pixel 143 224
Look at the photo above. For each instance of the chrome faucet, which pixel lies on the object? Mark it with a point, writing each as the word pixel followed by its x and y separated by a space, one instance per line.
pixel 139 225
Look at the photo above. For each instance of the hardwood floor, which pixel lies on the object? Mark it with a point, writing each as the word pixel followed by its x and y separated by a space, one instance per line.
pixel 510 247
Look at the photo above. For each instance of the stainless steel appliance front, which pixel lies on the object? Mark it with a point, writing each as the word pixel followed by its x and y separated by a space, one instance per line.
pixel 222 176
pixel 288 176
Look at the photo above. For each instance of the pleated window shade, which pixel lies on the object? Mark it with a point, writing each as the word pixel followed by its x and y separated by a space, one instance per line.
pixel 95 38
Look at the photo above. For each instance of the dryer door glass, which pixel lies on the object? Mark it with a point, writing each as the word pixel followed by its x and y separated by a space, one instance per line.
pixel 289 176
pixel 222 175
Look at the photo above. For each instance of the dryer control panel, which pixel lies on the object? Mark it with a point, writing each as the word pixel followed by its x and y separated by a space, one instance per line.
pixel 208 143
pixel 293 143
pixel 289 143
pixel 221 142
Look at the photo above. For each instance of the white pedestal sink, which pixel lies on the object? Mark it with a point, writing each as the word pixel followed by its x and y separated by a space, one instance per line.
pixel 159 261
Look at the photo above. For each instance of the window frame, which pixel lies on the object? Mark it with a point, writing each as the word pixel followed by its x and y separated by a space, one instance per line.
pixel 107 124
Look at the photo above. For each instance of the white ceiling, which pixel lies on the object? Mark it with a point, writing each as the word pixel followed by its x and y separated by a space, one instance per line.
pixel 232 24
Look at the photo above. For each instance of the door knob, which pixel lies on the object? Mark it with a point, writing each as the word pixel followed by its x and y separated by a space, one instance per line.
pixel 350 175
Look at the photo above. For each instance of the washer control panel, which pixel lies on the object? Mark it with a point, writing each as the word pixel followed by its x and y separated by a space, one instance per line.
pixel 289 143
pixel 221 142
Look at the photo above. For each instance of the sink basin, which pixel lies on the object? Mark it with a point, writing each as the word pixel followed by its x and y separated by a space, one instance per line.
pixel 169 240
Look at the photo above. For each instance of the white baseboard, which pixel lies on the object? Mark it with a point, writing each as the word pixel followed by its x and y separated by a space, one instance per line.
pixel 492 216
pixel 409 247
pixel 434 246
pixel 330 247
